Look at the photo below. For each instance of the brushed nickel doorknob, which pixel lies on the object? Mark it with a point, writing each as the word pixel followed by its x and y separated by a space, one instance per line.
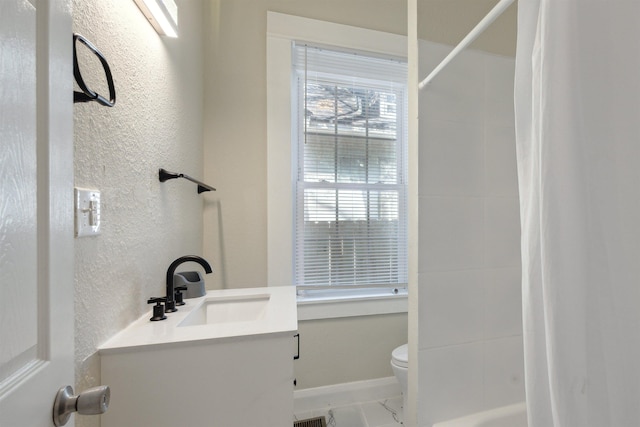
pixel 92 401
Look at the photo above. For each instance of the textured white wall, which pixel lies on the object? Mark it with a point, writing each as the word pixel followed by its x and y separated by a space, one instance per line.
pixel 157 122
pixel 470 354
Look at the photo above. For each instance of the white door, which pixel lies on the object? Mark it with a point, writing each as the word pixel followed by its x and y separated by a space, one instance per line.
pixel 36 202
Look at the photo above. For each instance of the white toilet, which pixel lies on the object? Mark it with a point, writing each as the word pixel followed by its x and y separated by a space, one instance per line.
pixel 400 366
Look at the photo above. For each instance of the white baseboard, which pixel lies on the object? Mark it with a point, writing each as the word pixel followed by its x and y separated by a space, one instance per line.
pixel 345 394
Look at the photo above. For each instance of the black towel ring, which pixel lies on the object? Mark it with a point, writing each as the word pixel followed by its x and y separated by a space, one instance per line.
pixel 87 94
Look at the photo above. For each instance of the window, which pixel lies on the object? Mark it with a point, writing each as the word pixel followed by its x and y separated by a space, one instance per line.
pixel 349 169
pixel 283 137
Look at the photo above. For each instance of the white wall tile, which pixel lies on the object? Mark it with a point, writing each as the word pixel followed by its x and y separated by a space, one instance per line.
pixel 431 54
pixel 503 302
pixel 451 308
pixel 502 232
pixel 457 93
pixel 503 372
pixel 451 233
pixel 469 238
pixel 451 158
pixel 501 174
pixel 499 90
pixel 451 382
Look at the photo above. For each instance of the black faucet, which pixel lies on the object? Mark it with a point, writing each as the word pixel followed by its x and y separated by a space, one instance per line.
pixel 170 305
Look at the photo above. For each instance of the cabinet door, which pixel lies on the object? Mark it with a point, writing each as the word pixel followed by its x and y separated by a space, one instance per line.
pixel 239 382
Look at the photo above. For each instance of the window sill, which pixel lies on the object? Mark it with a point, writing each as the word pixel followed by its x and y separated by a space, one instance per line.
pixel 331 307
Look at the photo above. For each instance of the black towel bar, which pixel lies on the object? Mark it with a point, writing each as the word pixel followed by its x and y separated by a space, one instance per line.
pixel 166 175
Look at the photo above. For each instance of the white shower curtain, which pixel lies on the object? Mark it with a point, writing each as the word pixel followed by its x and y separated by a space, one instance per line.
pixel 578 147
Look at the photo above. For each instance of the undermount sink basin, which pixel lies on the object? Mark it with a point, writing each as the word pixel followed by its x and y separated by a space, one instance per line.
pixel 228 309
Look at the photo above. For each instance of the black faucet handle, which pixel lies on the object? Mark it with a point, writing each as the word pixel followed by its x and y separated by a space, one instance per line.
pixel 158 308
pixel 178 294
pixel 170 306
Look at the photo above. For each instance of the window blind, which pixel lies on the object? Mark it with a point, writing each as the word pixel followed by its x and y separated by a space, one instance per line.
pixel 351 177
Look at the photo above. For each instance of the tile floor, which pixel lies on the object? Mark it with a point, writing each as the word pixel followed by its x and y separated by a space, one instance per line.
pixel 379 413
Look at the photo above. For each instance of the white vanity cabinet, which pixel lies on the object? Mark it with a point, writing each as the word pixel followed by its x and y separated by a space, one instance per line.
pixel 162 374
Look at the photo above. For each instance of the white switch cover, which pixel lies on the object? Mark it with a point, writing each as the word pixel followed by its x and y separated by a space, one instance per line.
pixel 87 212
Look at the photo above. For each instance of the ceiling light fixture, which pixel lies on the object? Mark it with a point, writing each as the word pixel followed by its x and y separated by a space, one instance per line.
pixel 162 14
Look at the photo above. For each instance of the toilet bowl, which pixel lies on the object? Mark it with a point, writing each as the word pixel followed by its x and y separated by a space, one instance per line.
pixel 400 367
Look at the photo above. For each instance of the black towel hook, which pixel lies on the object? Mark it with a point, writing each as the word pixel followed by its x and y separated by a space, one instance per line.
pixel 87 94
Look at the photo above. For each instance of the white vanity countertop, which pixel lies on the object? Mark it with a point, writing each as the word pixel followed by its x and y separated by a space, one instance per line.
pixel 280 316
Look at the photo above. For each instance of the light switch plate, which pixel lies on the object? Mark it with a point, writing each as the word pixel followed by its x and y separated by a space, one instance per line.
pixel 87 212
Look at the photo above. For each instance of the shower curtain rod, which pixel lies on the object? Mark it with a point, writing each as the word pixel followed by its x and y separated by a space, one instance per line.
pixel 479 29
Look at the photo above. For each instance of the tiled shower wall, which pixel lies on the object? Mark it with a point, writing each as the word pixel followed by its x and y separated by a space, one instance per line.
pixel 470 342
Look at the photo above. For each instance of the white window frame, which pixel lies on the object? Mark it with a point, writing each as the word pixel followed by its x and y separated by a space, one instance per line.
pixel 282 31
